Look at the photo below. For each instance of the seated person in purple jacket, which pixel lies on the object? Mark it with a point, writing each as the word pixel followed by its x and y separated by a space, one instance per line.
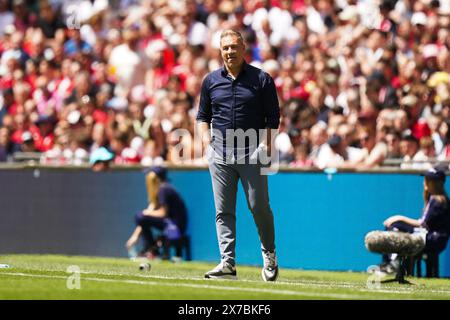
pixel 166 212
pixel 435 220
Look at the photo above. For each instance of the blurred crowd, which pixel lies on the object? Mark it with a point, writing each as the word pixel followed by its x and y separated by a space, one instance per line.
pixel 359 82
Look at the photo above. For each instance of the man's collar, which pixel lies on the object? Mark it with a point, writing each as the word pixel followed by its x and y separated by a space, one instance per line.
pixel 224 70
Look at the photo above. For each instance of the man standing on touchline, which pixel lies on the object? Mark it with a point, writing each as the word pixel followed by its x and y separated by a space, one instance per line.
pixel 233 98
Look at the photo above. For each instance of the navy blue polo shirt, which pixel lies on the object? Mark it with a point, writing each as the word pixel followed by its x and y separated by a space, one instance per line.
pixel 248 102
pixel 176 209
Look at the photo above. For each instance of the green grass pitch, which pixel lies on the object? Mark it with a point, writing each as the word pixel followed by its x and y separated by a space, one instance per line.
pixel 47 277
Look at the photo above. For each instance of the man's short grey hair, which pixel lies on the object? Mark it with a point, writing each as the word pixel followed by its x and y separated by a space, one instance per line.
pixel 231 32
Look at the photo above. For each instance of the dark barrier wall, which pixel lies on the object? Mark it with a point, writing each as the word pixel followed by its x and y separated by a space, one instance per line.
pixel 68 211
pixel 320 220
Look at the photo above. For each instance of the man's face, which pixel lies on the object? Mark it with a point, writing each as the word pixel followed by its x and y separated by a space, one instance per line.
pixel 392 142
pixel 366 140
pixel 232 50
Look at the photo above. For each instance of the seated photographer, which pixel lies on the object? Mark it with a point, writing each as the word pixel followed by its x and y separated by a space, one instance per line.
pixel 434 223
pixel 166 212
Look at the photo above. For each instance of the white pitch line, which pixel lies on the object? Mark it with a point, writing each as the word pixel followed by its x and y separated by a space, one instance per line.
pixel 197 286
pixel 302 283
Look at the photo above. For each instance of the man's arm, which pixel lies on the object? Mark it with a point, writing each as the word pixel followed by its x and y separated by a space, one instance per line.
pixel 204 131
pixel 266 140
pixel 271 111
pixel 205 109
pixel 204 115
pixel 270 103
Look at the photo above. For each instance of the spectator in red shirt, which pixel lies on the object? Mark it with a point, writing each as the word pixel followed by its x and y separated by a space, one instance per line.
pixel 43 133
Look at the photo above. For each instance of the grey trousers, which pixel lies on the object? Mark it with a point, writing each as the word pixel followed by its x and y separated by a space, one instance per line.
pixel 224 180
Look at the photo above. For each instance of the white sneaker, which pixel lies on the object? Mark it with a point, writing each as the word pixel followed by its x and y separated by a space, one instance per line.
pixel 270 269
pixel 222 271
